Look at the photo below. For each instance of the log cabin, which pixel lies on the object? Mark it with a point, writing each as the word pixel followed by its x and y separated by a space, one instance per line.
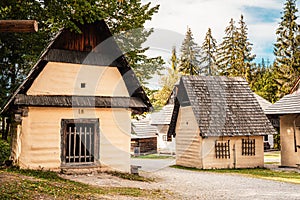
pixel 218 123
pixel 73 111
pixel 288 111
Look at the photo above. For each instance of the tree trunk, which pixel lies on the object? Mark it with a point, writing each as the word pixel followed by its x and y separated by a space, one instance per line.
pixel 18 26
pixel 4 129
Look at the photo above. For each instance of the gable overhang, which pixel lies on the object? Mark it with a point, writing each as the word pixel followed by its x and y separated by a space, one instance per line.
pixel 102 50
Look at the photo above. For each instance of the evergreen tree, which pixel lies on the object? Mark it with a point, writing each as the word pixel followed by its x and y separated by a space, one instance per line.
pixel 244 48
pixel 209 50
pixel 227 54
pixel 287 64
pixel 235 58
pixel 190 53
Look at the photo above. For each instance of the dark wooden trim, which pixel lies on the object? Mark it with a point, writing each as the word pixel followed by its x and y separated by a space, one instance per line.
pixel 81 57
pixel 173 123
pixel 79 101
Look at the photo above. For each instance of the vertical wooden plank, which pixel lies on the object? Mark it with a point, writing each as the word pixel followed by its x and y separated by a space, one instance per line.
pixel 85 147
pixel 80 131
pixel 70 134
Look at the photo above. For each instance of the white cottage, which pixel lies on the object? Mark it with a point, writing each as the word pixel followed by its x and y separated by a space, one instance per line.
pixel 218 123
pixel 74 109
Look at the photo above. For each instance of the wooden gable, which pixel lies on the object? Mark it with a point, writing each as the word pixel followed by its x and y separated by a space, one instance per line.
pixel 95 46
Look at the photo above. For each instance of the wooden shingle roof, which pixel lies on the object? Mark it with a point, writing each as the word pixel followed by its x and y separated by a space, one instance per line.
pixel 222 106
pixel 163 116
pixel 143 129
pixel 289 104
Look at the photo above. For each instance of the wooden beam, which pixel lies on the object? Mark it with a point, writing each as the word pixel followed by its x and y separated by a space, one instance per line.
pixel 18 26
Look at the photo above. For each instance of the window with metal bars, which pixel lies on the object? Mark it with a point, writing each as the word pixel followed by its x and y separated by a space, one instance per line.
pixel 248 147
pixel 222 149
pixel 80 141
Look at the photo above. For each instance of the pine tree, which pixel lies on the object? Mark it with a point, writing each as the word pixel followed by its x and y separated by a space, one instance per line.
pixel 209 50
pixel 190 53
pixel 244 48
pixel 226 58
pixel 287 64
pixel 235 58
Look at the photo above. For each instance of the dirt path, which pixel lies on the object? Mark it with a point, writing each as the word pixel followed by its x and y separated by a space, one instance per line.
pixel 202 185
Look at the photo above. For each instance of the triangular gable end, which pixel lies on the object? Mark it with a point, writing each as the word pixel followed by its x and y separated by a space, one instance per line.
pixel 94 46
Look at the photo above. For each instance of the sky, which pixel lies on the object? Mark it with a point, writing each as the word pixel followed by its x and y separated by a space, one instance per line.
pixel 174 16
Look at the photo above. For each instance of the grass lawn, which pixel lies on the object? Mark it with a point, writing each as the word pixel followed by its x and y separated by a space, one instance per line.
pixel 285 176
pixel 32 184
pixel 154 156
pixel 272 154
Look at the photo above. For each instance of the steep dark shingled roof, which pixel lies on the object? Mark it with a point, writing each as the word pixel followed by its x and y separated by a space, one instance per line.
pixel 222 106
pixel 94 46
pixel 289 104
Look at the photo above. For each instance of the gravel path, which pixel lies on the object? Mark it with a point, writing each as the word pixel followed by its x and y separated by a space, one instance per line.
pixel 202 185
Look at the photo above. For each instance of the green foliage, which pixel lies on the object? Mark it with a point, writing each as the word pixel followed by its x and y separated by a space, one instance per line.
pixel 161 97
pixel 263 82
pixel 4 151
pixel 209 50
pixel 234 53
pixel 190 54
pixel 286 48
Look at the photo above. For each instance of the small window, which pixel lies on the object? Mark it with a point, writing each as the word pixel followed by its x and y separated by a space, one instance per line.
pixel 248 147
pixel 222 149
pixel 83 85
pixel 80 141
pixel 165 138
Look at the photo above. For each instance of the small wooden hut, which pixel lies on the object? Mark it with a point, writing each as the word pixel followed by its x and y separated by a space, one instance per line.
pixel 218 123
pixel 73 111
pixel 288 111
pixel 143 137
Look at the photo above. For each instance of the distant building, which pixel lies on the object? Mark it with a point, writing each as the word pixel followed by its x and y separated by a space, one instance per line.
pixel 288 111
pixel 264 104
pixel 143 137
pixel 218 123
pixel 162 120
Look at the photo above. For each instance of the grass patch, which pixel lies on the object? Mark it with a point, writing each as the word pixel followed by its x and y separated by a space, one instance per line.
pixel 131 177
pixel 285 176
pixel 272 154
pixel 154 156
pixel 35 184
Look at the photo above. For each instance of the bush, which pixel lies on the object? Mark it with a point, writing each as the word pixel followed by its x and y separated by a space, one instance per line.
pixel 4 151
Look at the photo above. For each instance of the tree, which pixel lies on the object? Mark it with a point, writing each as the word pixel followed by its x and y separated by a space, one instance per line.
pixel 287 63
pixel 245 57
pixel 235 58
pixel 209 50
pixel 168 81
pixel 226 58
pixel 190 53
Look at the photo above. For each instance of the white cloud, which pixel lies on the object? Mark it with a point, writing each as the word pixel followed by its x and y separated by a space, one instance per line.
pixel 199 15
